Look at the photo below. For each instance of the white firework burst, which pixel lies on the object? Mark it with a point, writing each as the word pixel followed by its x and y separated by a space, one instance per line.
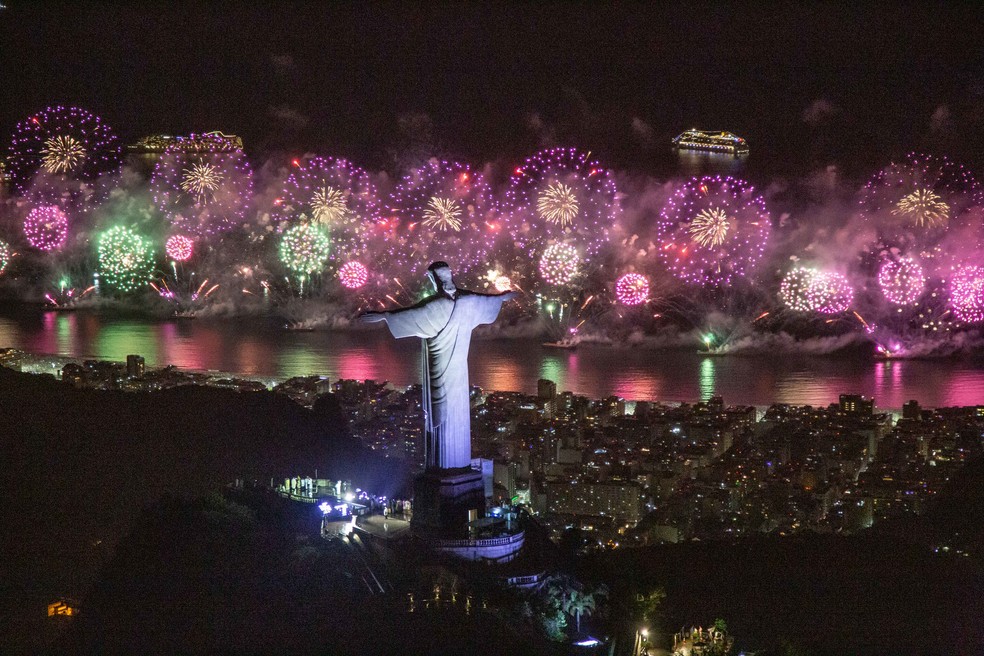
pixel 924 208
pixel 62 153
pixel 328 206
pixel 443 214
pixel 558 204
pixel 200 180
pixel 710 227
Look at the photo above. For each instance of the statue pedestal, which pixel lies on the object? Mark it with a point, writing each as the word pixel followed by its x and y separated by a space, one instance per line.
pixel 449 515
pixel 443 499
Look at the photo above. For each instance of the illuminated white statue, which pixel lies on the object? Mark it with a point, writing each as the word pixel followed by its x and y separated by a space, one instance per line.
pixel 444 320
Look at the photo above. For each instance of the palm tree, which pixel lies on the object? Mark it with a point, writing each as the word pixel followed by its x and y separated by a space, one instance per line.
pixel 580 603
pixel 567 594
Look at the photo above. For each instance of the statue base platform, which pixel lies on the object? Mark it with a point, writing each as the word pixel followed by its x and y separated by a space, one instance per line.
pixel 449 515
pixel 444 501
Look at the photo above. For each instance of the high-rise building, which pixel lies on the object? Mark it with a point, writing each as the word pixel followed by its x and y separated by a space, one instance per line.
pixel 855 404
pixel 135 366
pixel 911 410
pixel 546 390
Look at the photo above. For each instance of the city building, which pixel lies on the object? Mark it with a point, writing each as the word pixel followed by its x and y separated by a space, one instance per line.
pixel 135 366
pixel 855 404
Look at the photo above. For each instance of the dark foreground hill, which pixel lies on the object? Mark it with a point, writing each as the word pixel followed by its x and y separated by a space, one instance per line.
pixel 824 594
pixel 892 589
pixel 210 576
pixel 78 466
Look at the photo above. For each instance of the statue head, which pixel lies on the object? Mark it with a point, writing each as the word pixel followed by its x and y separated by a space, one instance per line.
pixel 440 276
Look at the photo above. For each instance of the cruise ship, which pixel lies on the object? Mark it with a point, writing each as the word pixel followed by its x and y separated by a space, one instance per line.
pixel 210 142
pixel 720 142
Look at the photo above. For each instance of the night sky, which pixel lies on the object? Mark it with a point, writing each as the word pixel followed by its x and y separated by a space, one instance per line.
pixel 806 85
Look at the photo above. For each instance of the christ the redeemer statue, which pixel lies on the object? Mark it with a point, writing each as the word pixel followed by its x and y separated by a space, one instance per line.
pixel 444 320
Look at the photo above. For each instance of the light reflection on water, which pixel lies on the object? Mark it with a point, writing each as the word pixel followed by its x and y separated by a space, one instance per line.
pixel 260 348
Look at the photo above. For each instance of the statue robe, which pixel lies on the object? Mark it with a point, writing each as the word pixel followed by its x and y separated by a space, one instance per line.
pixel 445 325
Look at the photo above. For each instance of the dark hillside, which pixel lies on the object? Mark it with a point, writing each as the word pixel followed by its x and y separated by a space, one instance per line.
pixel 79 465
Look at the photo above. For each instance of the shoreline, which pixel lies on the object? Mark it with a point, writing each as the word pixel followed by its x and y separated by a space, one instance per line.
pixel 42 364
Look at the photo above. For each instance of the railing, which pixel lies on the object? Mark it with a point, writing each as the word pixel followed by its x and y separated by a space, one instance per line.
pixel 524 580
pixel 484 542
pixel 297 497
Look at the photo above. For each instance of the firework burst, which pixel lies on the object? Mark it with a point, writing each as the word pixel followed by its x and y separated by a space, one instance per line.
pixel 912 202
pixel 62 144
pixel 923 208
pixel 353 275
pixel 178 247
pixel 558 204
pixel 328 206
pixel 5 255
pixel 497 280
pixel 126 259
pixel 811 290
pixel 632 289
pixel 62 153
pixel 713 230
pixel 559 264
pixel 305 248
pixel 562 193
pixel 796 289
pixel 967 293
pixel 46 228
pixel 337 195
pixel 439 211
pixel 201 180
pixel 710 227
pixel 203 193
pixel 902 281
pixel 443 214
pixel 835 293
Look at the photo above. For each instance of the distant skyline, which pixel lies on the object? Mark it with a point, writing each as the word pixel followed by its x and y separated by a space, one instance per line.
pixel 806 84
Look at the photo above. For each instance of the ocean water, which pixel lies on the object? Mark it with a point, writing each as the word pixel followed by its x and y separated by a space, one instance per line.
pixel 263 349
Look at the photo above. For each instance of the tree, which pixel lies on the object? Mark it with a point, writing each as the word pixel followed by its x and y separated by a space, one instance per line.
pixel 647 606
pixel 566 594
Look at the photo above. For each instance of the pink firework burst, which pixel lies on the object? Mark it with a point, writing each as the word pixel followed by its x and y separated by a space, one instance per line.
pixel 561 194
pixel 805 289
pixel 559 264
pixel 46 228
pixel 179 247
pixel 836 294
pixel 902 281
pixel 919 198
pixel 713 230
pixel 967 293
pixel 632 289
pixel 57 153
pixel 353 275
pixel 439 211
pixel 203 192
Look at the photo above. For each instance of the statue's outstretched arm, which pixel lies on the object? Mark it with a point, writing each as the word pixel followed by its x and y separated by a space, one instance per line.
pixel 486 306
pixel 504 296
pixel 413 321
pixel 372 317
